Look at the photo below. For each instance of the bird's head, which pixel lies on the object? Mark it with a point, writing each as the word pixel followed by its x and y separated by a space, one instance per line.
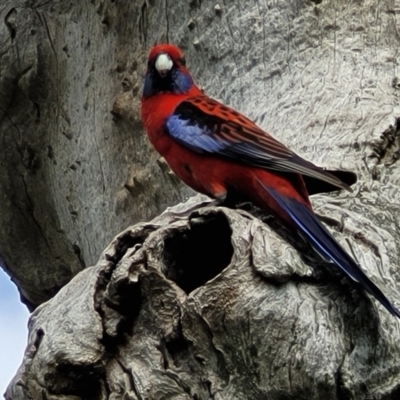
pixel 166 72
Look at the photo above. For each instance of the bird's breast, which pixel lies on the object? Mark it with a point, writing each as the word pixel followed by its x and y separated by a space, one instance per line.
pixel 154 112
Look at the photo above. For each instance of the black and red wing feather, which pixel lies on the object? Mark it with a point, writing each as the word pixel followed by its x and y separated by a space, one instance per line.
pixel 207 126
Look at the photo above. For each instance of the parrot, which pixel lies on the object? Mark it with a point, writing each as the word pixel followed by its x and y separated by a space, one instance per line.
pixel 221 153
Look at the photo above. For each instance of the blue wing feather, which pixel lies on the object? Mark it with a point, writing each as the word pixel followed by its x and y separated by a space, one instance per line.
pixel 197 138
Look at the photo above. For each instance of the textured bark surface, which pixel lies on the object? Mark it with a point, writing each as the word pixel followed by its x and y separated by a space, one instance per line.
pixel 205 302
pixel 72 175
pixel 321 76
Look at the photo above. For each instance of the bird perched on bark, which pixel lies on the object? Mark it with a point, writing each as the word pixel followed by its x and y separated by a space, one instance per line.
pixel 219 152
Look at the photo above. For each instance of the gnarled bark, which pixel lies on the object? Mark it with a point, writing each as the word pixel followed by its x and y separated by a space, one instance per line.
pixel 207 302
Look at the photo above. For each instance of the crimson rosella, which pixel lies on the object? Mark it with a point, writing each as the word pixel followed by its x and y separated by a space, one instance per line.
pixel 217 151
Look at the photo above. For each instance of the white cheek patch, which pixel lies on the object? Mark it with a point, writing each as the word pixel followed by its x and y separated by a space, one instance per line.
pixel 163 64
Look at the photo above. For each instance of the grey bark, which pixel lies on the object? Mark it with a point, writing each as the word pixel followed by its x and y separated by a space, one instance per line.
pixel 151 319
pixel 205 302
pixel 72 175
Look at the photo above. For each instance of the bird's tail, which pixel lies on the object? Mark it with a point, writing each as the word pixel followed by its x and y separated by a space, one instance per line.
pixel 323 242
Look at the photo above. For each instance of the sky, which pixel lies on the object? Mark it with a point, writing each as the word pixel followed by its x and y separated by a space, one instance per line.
pixel 13 330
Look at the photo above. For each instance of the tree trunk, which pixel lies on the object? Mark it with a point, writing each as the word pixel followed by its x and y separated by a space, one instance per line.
pixel 70 81
pixel 201 302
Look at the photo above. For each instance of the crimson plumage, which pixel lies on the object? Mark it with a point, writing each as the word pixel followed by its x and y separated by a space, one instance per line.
pixel 219 152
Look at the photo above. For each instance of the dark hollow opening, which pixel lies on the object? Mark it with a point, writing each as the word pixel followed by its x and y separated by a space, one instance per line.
pixel 198 254
pixel 84 382
pixel 129 305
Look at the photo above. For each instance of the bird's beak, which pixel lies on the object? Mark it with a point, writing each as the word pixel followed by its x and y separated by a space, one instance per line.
pixel 163 64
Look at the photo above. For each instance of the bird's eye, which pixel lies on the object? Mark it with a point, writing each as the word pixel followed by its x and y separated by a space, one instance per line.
pixel 183 61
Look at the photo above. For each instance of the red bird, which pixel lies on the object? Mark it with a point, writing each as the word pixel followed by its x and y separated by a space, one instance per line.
pixel 219 152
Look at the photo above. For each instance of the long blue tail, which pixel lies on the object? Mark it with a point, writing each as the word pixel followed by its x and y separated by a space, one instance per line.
pixel 326 245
